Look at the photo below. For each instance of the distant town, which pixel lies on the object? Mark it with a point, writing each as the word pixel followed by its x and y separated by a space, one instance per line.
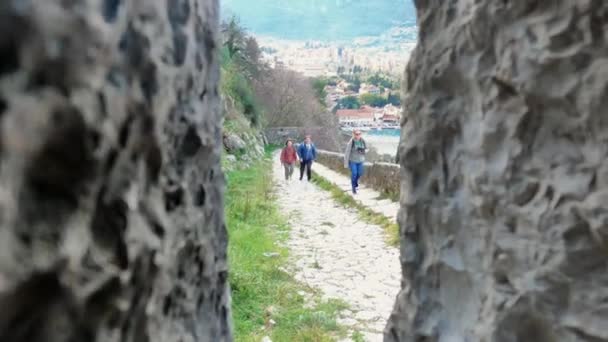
pixel 375 110
pixel 359 84
pixel 316 59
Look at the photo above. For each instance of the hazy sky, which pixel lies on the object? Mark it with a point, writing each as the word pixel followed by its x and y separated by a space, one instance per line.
pixel 321 19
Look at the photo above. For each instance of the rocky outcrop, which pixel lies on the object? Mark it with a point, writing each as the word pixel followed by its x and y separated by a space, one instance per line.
pixel 111 192
pixel 242 149
pixel 233 143
pixel 505 174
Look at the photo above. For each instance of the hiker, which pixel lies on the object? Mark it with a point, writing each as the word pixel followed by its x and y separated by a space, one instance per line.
pixel 289 157
pixel 354 158
pixel 307 153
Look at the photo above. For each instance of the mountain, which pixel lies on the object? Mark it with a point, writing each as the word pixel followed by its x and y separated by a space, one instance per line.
pixel 326 20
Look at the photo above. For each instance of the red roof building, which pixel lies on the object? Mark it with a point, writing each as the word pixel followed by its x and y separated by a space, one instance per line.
pixel 362 115
pixel 390 118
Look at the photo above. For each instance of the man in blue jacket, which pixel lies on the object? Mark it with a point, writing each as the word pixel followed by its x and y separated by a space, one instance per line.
pixel 307 153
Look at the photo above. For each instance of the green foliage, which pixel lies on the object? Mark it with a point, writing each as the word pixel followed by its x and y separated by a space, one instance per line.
pixel 355 84
pixel 234 36
pixel 236 86
pixel 319 84
pixel 225 59
pixel 240 66
pixel 379 100
pixel 349 102
pixel 260 289
pixel 382 81
pixel 373 100
pixel 358 337
pixel 394 99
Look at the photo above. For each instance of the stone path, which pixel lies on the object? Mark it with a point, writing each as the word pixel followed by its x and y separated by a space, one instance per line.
pixel 365 195
pixel 335 252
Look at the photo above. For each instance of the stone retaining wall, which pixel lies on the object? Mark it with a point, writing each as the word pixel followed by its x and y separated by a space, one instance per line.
pixel 324 137
pixel 383 177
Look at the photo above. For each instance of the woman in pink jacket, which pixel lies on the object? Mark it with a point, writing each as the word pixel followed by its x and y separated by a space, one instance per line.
pixel 289 157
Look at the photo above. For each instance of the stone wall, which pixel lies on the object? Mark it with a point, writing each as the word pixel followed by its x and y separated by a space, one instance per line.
pixel 503 223
pixel 383 177
pixel 111 219
pixel 324 138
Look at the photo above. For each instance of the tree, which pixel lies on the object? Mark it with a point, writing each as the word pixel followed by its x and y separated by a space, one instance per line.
pixel 290 99
pixel 373 100
pixel 355 85
pixel 381 81
pixel 241 65
pixel 250 59
pixel 239 89
pixel 349 102
pixel 233 36
pixel 393 99
pixel 242 50
pixel 319 85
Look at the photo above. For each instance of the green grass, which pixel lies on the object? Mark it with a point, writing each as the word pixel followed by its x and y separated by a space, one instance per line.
pixel 261 291
pixel 272 147
pixel 366 214
pixel 358 337
pixel 384 193
pixel 393 196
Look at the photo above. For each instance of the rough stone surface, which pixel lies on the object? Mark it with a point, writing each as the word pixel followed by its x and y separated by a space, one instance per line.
pixel 231 158
pixel 505 174
pixel 111 219
pixel 337 253
pixel 245 146
pixel 233 143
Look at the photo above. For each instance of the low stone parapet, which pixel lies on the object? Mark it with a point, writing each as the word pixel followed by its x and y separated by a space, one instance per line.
pixel 326 138
pixel 383 177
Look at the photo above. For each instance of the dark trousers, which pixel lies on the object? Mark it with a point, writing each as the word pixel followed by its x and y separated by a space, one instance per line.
pixel 305 164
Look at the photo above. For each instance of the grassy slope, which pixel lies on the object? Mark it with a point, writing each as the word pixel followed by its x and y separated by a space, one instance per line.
pixel 384 194
pixel 261 291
